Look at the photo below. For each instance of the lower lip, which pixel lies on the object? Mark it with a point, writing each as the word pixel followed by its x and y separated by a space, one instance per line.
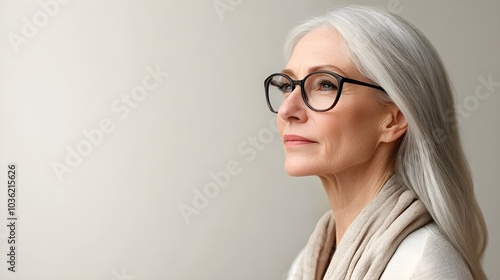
pixel 297 143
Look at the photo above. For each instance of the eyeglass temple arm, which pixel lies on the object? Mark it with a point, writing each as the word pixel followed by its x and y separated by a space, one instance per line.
pixel 347 80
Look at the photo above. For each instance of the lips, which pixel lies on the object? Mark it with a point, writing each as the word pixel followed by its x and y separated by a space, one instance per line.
pixel 291 140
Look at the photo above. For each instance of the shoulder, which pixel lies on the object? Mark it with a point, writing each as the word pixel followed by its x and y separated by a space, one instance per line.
pixel 426 254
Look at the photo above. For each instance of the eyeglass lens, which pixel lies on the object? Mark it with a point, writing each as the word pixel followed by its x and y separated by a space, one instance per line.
pixel 321 90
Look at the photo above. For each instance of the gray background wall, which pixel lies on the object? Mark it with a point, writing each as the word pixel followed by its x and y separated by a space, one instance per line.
pixel 115 212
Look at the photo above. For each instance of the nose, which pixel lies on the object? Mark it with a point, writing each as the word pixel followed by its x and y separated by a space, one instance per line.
pixel 293 107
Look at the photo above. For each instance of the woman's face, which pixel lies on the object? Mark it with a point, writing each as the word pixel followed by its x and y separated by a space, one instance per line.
pixel 343 139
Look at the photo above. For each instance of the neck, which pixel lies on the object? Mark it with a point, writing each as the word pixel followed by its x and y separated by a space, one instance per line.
pixel 350 191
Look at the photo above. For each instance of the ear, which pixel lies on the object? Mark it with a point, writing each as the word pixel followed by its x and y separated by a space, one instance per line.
pixel 394 125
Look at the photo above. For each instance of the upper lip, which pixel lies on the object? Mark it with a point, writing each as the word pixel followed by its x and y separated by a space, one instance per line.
pixel 292 137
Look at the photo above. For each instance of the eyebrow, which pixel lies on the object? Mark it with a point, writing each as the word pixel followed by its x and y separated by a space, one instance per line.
pixel 290 72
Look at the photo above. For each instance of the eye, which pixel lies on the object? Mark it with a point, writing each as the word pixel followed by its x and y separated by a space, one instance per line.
pixel 325 84
pixel 282 85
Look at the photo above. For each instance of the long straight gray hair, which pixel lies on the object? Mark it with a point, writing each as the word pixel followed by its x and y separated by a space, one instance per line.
pixel 396 55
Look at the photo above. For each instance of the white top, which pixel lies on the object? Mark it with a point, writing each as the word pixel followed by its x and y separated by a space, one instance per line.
pixel 426 254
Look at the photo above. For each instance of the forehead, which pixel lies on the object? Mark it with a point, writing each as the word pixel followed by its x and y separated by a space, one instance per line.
pixel 321 46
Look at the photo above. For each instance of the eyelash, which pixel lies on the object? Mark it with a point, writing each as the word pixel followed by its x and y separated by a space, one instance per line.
pixel 323 82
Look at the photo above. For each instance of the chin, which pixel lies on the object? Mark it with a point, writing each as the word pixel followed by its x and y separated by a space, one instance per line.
pixel 299 168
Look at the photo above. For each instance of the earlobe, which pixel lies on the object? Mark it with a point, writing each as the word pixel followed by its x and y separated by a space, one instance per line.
pixel 395 127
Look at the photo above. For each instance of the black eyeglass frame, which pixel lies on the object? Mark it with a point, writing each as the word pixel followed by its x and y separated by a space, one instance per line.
pixel 340 79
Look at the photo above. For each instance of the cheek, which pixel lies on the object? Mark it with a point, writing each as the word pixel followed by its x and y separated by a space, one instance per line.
pixel 359 115
pixel 350 136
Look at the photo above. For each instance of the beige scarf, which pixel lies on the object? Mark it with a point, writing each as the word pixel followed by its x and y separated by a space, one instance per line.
pixel 369 242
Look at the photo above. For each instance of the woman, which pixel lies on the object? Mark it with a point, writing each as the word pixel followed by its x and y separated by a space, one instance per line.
pixel 365 104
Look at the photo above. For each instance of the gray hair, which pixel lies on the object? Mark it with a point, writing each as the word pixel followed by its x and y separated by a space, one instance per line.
pixel 430 160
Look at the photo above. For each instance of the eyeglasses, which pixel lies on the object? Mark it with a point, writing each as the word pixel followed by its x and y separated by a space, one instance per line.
pixel 320 90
